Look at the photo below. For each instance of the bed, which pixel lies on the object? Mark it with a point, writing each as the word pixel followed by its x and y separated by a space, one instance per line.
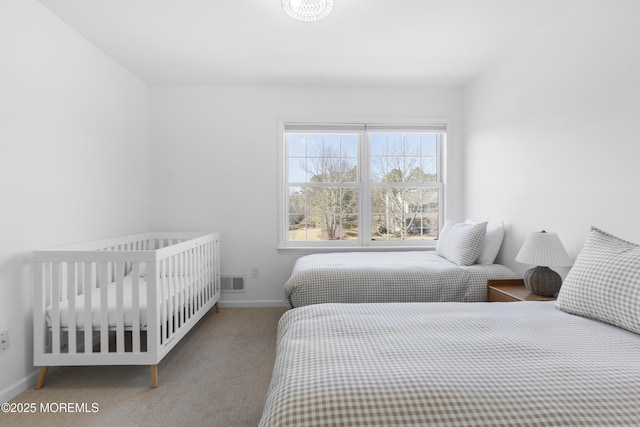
pixel 122 301
pixel 418 276
pixel 571 362
pixel 457 270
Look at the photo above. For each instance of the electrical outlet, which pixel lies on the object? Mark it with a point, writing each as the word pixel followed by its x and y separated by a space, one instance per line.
pixel 255 271
pixel 4 341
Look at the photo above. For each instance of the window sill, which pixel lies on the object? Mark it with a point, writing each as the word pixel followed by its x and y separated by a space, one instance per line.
pixel 324 249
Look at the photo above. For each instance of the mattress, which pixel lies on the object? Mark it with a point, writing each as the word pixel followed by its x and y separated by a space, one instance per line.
pixel 367 277
pixel 454 364
pixel 173 286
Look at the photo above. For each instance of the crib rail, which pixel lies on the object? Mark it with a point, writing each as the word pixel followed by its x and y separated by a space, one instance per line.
pixel 122 301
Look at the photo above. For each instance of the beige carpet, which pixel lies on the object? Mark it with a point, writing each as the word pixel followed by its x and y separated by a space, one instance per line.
pixel 217 376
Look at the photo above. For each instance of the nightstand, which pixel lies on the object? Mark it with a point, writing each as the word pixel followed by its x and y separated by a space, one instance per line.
pixel 510 290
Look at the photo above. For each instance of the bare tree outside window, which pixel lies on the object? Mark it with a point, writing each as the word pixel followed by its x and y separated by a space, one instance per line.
pixel 325 209
pixel 404 205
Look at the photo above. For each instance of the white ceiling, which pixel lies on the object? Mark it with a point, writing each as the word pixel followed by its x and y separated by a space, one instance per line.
pixel 363 42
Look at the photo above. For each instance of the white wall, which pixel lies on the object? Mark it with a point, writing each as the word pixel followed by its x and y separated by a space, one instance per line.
pixel 214 163
pixel 552 132
pixel 73 159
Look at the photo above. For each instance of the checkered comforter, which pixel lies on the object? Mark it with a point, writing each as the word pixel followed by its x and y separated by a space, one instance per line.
pixel 417 276
pixel 480 364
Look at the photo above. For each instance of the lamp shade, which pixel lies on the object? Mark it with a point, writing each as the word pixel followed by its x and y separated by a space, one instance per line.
pixel 543 249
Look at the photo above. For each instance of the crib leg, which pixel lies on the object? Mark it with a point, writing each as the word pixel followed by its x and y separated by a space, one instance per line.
pixel 217 307
pixel 41 375
pixel 154 376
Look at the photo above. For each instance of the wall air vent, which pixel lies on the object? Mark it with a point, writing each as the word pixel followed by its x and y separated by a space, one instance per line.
pixel 232 283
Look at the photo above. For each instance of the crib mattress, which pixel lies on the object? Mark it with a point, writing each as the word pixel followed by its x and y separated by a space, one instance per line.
pixel 176 291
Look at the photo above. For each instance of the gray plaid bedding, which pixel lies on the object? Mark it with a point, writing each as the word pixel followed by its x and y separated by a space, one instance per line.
pixel 480 364
pixel 357 277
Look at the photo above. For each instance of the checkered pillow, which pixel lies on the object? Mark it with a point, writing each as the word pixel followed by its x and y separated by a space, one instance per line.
pixel 461 243
pixel 604 283
pixel 492 243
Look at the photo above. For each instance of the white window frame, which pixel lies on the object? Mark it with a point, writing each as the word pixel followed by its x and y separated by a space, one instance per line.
pixel 362 128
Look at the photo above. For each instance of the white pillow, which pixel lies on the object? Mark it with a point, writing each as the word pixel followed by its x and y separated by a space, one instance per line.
pixel 461 243
pixel 492 243
pixel 604 283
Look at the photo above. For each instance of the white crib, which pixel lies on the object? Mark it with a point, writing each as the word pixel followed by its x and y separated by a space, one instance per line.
pixel 145 292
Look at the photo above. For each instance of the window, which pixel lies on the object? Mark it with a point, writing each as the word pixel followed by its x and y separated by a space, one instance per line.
pixel 362 184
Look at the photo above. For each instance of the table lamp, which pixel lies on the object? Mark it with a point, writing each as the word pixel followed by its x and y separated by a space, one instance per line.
pixel 543 250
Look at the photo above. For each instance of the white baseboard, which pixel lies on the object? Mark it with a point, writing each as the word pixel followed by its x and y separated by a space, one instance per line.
pixel 250 304
pixel 20 386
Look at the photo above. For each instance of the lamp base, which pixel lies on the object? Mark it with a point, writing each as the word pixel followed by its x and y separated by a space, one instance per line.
pixel 542 281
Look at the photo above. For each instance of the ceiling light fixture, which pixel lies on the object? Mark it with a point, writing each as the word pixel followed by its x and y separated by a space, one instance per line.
pixel 308 10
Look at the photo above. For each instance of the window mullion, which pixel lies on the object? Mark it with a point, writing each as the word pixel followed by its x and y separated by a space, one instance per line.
pixel 440 181
pixel 365 190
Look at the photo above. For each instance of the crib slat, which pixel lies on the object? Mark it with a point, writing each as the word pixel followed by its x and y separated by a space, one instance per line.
pixel 39 313
pixel 183 286
pixel 193 274
pixel 194 278
pixel 180 285
pixel 154 331
pixel 171 289
pixel 71 309
pixel 104 307
pixel 216 255
pixel 187 289
pixel 207 271
pixel 55 307
pixel 216 268
pixel 162 289
pixel 177 287
pixel 167 290
pixel 179 303
pixel 88 312
pixel 199 275
pixel 176 279
pixel 167 297
pixel 172 295
pixel 210 263
pixel 204 273
pixel 207 266
pixel 189 273
pixel 135 308
pixel 119 268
